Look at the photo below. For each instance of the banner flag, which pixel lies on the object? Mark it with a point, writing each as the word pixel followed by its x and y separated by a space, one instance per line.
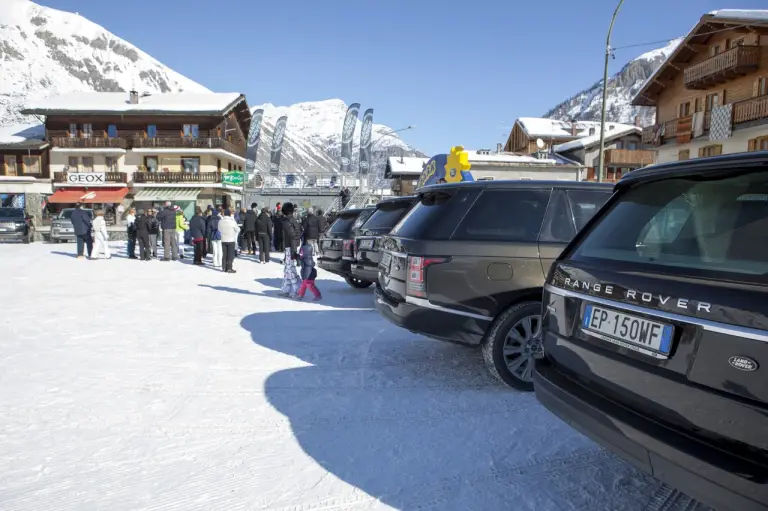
pixel 347 136
pixel 277 145
pixel 252 145
pixel 365 142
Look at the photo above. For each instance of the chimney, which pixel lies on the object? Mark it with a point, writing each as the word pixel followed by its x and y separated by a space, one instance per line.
pixel 134 97
pixel 574 128
pixel 637 121
pixel 498 147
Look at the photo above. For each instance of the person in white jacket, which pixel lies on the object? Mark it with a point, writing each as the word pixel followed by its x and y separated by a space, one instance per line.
pixel 229 230
pixel 101 236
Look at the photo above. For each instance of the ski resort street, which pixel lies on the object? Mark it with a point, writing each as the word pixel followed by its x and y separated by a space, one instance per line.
pixel 160 385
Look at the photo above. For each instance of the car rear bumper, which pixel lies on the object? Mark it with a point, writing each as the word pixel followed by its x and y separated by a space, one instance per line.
pixel 335 266
pixel 440 325
pixel 16 235
pixel 365 272
pixel 649 445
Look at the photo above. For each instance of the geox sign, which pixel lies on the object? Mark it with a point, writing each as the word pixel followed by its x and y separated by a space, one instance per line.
pixel 86 178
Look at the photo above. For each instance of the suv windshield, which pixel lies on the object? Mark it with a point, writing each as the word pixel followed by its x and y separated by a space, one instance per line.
pixel 385 217
pixel 67 213
pixel 715 228
pixel 11 213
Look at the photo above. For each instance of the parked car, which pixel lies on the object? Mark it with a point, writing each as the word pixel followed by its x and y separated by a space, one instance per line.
pixel 467 264
pixel 15 225
pixel 337 241
pixel 365 263
pixel 61 227
pixel 655 330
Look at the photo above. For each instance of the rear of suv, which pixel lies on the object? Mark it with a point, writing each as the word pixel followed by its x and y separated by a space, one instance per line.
pixel 338 241
pixel 365 263
pixel 468 261
pixel 655 328
pixel 15 225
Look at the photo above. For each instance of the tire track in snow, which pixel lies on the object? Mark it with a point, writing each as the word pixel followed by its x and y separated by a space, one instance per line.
pixel 668 498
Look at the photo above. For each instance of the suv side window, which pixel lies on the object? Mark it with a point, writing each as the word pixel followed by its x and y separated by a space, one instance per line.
pixel 558 225
pixel 504 215
pixel 585 203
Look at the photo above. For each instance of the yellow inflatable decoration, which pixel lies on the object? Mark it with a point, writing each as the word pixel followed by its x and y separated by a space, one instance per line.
pixel 457 162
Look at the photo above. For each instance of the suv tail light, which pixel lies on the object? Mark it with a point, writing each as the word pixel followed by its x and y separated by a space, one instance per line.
pixel 348 248
pixel 417 274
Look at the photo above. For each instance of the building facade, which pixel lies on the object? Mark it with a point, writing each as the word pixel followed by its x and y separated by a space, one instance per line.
pixel 25 178
pixel 711 94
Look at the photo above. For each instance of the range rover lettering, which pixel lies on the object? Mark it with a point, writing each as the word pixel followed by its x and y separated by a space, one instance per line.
pixel 655 328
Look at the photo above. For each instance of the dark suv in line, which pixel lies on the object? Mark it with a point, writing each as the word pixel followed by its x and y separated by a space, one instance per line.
pixel 655 328
pixel 467 264
pixel 338 240
pixel 15 225
pixel 365 262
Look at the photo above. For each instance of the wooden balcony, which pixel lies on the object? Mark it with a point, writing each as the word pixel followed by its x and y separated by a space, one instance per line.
pixel 177 177
pixel 90 143
pixel 111 177
pixel 724 66
pixel 189 143
pixel 629 157
pixel 750 110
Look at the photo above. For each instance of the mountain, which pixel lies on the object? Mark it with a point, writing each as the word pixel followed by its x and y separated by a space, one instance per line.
pixel 622 87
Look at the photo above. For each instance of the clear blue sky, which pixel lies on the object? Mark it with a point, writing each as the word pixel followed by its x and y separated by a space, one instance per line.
pixel 456 69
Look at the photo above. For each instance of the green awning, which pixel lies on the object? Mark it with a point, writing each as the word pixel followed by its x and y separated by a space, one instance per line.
pixel 163 194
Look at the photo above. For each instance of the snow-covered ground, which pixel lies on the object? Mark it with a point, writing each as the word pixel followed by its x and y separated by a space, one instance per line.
pixel 159 385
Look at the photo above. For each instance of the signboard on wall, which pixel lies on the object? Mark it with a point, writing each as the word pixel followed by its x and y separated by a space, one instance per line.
pixel 86 178
pixel 232 178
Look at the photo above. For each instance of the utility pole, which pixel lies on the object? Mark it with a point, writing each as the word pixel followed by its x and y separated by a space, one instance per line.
pixel 608 53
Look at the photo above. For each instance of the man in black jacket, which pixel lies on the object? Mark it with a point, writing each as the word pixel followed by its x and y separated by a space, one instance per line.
pixel 143 226
pixel 197 233
pixel 81 223
pixel 249 225
pixel 264 235
pixel 312 230
pixel 154 231
pixel 291 231
pixel 167 219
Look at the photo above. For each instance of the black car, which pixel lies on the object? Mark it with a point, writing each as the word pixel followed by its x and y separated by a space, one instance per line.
pixel 467 264
pixel 365 263
pixel 15 225
pixel 338 240
pixel 655 328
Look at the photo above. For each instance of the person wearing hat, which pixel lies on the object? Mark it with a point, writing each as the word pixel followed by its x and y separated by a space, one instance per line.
pixel 292 240
pixel 143 226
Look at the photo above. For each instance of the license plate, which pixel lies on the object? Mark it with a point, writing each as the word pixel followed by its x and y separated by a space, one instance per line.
pixel 364 244
pixel 632 332
pixel 7 226
pixel 386 259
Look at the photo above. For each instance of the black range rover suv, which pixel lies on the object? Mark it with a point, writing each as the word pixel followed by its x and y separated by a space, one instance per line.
pixel 655 328
pixel 338 240
pixel 468 261
pixel 365 263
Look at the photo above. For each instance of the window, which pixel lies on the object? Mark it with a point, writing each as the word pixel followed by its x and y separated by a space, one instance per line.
pixel 632 145
pixel 72 164
pixel 758 144
pixel 710 150
pixel 436 214
pixel 387 215
pixel 87 130
pixel 191 164
pixel 151 163
pixel 11 167
pixel 585 203
pixel 111 163
pixel 190 130
pixel 712 101
pixel 31 164
pixel 737 42
pixel 151 131
pixel 290 179
pixel 685 109
pixel 73 130
pixel 505 215
pixel 87 163
pixel 697 105
pixel 713 229
pixel 715 50
pixel 112 131
pixel 218 165
pixel 558 225
pixel 619 144
pixel 683 154
pixel 229 165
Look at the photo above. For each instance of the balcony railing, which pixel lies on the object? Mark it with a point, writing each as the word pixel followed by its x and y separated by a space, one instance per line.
pixel 750 110
pixel 110 177
pixel 629 157
pixel 189 143
pixel 722 67
pixel 176 177
pixel 90 143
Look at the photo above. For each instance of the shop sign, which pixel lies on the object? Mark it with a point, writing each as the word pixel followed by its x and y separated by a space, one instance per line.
pixel 86 178
pixel 232 178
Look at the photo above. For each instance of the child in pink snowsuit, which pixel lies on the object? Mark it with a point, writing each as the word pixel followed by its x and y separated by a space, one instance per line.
pixel 308 272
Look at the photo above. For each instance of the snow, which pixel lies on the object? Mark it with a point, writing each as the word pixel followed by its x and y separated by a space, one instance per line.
pixel 580 143
pixel 740 14
pixel 19 133
pixel 485 157
pixel 160 385
pixel 554 128
pixel 663 52
pixel 406 165
pixel 177 102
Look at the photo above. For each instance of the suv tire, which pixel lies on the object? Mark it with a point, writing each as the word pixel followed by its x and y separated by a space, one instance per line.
pixel 524 318
pixel 357 283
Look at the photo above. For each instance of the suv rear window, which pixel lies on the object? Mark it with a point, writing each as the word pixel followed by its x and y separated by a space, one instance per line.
pixel 505 215
pixel 436 214
pixel 714 228
pixel 342 225
pixel 387 216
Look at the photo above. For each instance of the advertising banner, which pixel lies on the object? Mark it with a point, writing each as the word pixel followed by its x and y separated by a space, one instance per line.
pixel 348 135
pixel 277 145
pixel 232 178
pixel 366 133
pixel 252 145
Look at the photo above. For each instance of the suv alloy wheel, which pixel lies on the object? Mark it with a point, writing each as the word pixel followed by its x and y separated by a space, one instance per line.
pixel 513 344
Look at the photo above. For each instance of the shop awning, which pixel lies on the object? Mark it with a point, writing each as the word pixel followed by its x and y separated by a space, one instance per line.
pixel 164 194
pixel 92 196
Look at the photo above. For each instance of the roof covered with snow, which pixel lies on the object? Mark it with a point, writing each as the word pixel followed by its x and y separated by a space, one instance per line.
pixel 404 166
pixel 613 131
pixel 506 158
pixel 23 136
pixel 203 103
pixel 554 128
pixel 740 14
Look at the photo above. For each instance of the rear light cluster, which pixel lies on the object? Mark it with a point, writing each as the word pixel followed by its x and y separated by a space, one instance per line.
pixel 417 274
pixel 348 248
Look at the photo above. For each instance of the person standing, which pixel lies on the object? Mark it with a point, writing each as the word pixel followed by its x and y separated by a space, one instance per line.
pixel 263 233
pixel 101 235
pixel 130 229
pixel 119 214
pixel 240 220
pixel 81 223
pixel 323 220
pixel 215 236
pixel 277 222
pixel 154 231
pixel 344 196
pixel 143 226
pixel 291 239
pixel 181 226
pixel 312 231
pixel 249 224
pixel 229 231
pixel 167 220
pixel 308 272
pixel 197 233
pixel 208 214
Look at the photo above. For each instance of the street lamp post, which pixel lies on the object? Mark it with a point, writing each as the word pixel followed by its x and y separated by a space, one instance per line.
pixel 608 52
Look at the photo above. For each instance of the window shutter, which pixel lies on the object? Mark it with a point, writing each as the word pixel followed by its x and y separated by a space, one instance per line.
pixel 752 145
pixel 701 152
pixel 718 149
pixel 755 87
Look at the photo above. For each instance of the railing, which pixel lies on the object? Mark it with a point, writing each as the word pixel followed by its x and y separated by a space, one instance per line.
pixel 649 136
pixel 90 143
pixel 750 110
pixel 189 143
pixel 639 157
pixel 670 128
pixel 110 177
pixel 177 177
pixel 737 60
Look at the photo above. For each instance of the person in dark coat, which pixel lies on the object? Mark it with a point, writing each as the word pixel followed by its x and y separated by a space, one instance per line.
pixel 312 231
pixel 167 219
pixel 82 225
pixel 277 222
pixel 143 225
pixel 323 221
pixel 249 225
pixel 241 238
pixel 264 234
pixel 197 234
pixel 154 231
pixel 291 231
pixel 344 195
pixel 215 237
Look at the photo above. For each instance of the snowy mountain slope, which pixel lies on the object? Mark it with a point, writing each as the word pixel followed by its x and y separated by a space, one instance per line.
pixel 622 87
pixel 45 52
pixel 313 138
